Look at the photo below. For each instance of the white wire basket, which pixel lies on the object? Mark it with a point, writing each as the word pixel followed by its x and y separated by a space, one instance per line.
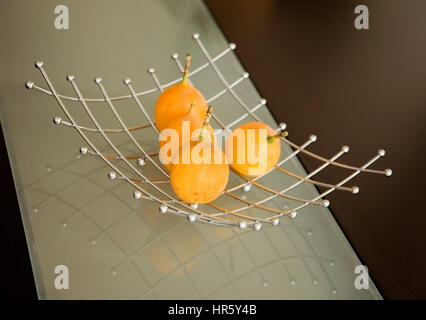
pixel 232 208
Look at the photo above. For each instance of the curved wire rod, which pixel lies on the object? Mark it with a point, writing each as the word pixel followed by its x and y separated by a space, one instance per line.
pixel 283 195
pixel 256 205
pixel 318 183
pixel 234 212
pixel 33 86
pixel 232 85
pixel 224 211
pixel 245 115
pixel 131 157
pixel 66 123
pixel 337 164
pixel 139 103
pixel 91 99
pixel 152 180
pixel 202 216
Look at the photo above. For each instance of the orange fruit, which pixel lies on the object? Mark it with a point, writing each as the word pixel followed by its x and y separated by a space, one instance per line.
pixel 183 130
pixel 201 179
pixel 174 101
pixel 253 148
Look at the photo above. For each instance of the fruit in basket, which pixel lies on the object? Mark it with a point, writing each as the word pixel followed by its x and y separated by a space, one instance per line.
pixel 199 172
pixel 200 182
pixel 253 148
pixel 180 131
pixel 174 101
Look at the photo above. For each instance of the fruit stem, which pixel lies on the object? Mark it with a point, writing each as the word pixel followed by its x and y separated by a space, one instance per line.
pixel 271 139
pixel 186 69
pixel 206 122
pixel 190 107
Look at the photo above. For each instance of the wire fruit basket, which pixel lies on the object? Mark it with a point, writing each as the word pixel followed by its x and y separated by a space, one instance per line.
pixel 157 190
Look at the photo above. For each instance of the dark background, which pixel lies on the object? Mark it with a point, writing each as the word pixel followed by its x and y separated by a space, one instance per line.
pixel 17 281
pixel 362 88
pixel 320 75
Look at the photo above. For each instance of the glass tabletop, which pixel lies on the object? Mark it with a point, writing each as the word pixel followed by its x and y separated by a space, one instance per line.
pixel 117 247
